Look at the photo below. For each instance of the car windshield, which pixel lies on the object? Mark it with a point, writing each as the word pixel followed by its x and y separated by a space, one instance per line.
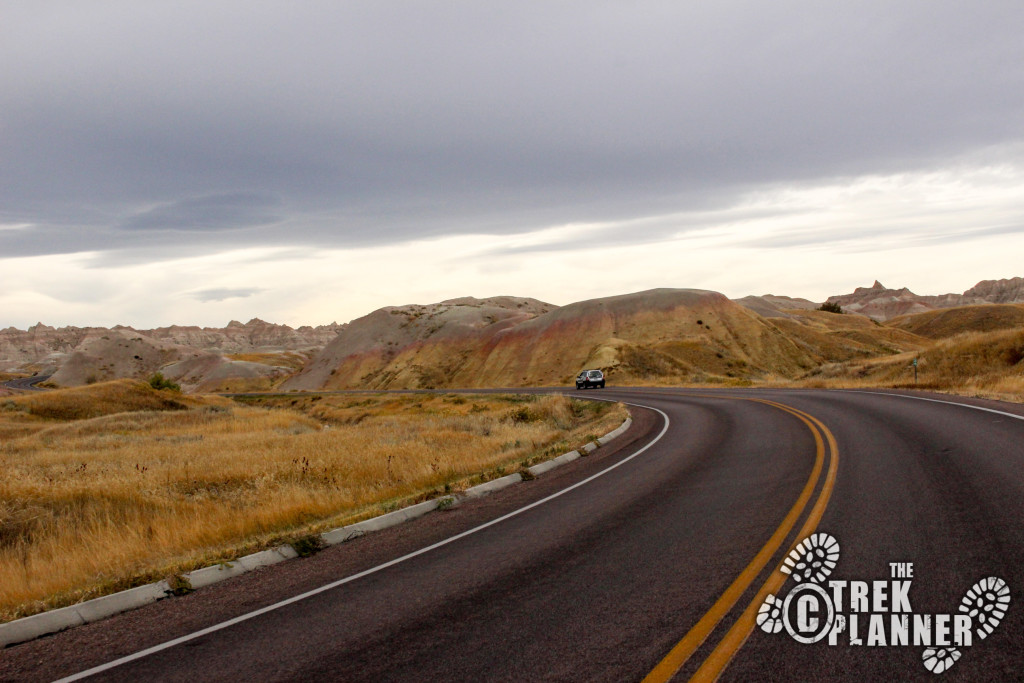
pixel 595 373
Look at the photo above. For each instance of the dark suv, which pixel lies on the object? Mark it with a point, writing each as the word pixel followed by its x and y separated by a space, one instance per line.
pixel 590 378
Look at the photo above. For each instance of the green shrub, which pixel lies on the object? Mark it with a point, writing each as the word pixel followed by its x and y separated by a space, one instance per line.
pixel 178 585
pixel 521 415
pixel 158 381
pixel 308 545
pixel 830 307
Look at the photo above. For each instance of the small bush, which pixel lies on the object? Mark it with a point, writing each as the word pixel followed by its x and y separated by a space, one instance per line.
pixel 1013 355
pixel 158 381
pixel 178 585
pixel 11 406
pixel 830 307
pixel 308 545
pixel 588 409
pixel 520 415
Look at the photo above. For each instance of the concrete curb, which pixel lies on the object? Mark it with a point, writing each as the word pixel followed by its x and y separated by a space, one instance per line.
pixel 37 625
pixel 347 533
pixel 209 575
pixel 100 608
pixel 616 432
pixel 28 628
pixel 492 486
pixel 541 468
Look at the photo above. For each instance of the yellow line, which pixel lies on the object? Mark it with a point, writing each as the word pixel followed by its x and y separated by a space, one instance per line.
pixel 685 648
pixel 720 657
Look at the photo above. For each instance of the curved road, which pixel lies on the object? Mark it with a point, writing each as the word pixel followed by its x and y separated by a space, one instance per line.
pixel 27 383
pixel 653 565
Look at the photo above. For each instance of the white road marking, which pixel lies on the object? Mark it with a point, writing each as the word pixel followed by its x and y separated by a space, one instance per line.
pixel 277 605
pixel 935 400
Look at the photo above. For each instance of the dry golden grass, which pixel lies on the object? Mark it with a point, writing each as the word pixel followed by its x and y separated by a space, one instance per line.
pixel 114 499
pixel 285 359
pixel 971 363
pixel 830 338
pixel 96 400
pixel 948 322
pixel 241 385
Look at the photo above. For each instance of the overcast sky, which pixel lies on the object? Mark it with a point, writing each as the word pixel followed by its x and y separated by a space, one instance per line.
pixel 194 162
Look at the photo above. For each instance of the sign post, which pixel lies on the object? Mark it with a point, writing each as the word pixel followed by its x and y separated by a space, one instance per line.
pixel 915 371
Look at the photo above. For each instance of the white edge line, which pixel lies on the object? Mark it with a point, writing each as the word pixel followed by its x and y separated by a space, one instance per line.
pixel 334 584
pixel 935 400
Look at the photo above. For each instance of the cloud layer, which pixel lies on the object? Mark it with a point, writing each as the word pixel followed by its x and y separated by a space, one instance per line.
pixel 134 133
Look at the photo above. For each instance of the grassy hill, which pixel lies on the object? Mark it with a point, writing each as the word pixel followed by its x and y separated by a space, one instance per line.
pixel 661 336
pixel 948 322
pixel 972 363
pixel 835 338
pixel 654 337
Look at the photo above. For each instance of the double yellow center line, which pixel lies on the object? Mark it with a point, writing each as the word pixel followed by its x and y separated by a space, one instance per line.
pixel 715 664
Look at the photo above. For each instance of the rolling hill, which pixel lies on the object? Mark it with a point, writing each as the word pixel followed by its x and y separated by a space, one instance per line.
pixel 655 336
pixel 949 322
pixel 658 336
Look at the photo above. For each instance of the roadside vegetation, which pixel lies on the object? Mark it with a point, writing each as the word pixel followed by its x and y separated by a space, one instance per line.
pixel 117 484
pixel 289 359
pixel 970 350
pixel 986 364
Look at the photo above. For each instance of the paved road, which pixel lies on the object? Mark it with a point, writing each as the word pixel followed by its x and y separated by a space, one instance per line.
pixel 27 383
pixel 654 568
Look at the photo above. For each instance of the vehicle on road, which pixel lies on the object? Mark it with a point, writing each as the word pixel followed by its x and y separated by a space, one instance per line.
pixel 590 378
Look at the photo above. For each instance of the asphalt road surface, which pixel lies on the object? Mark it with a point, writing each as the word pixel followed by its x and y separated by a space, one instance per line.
pixel 653 566
pixel 27 383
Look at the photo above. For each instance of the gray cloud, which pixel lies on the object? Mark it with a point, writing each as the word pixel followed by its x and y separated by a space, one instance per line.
pixel 222 293
pixel 869 239
pixel 343 124
pixel 644 231
pixel 210 212
pixel 967 235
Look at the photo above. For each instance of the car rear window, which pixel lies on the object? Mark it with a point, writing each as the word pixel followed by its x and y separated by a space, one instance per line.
pixel 595 373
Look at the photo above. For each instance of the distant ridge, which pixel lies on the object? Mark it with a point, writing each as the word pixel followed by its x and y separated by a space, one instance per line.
pixel 881 303
pixel 82 355
pixel 657 336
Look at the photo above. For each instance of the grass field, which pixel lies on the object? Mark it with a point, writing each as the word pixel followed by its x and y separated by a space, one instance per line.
pixel 288 359
pixel 116 484
pixel 988 364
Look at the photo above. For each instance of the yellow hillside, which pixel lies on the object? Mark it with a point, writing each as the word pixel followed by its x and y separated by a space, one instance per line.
pixel 948 322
